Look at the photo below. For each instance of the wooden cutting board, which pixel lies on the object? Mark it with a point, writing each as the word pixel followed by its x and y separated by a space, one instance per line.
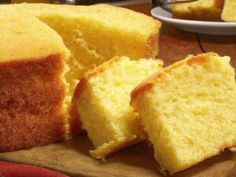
pixel 72 157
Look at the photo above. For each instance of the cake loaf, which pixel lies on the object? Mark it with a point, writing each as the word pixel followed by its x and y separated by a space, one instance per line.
pixel 103 103
pixel 90 35
pixel 189 110
pixel 94 34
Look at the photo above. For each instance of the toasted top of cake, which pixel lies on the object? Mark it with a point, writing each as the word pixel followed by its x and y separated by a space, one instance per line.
pixel 229 13
pixel 189 110
pixel 198 10
pixel 27 38
pixel 150 82
pixel 107 15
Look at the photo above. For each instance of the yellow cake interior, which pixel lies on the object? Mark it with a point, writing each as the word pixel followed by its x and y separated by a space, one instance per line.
pixel 189 113
pixel 43 42
pixel 104 99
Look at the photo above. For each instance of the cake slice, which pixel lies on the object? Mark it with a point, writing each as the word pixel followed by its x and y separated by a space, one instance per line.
pixel 189 110
pixel 229 11
pixel 103 103
pixel 33 91
pixel 95 34
pixel 198 10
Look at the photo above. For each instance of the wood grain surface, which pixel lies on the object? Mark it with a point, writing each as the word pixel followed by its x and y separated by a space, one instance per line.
pixel 72 157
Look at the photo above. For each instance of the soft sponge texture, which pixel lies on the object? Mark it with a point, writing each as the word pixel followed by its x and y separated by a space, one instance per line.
pixel 189 110
pixel 229 13
pixel 103 103
pixel 199 10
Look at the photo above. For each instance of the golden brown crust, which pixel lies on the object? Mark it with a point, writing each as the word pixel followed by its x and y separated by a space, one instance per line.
pixel 31 96
pixel 219 4
pixel 75 124
pixel 149 83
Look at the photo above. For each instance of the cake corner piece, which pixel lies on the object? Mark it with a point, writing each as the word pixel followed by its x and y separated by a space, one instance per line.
pixel 189 112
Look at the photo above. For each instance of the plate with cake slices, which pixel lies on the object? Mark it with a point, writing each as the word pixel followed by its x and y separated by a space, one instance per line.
pixel 208 18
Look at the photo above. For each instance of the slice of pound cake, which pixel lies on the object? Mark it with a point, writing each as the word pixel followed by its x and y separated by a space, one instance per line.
pixel 229 11
pixel 33 90
pixel 198 10
pixel 189 110
pixel 103 103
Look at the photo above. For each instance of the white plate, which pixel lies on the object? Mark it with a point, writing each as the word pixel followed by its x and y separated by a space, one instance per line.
pixel 204 27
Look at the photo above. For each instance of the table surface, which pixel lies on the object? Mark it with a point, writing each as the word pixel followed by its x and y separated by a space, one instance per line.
pixel 72 157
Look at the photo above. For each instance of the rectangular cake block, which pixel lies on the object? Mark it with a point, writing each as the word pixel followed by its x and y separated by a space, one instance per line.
pixel 189 110
pixel 103 103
